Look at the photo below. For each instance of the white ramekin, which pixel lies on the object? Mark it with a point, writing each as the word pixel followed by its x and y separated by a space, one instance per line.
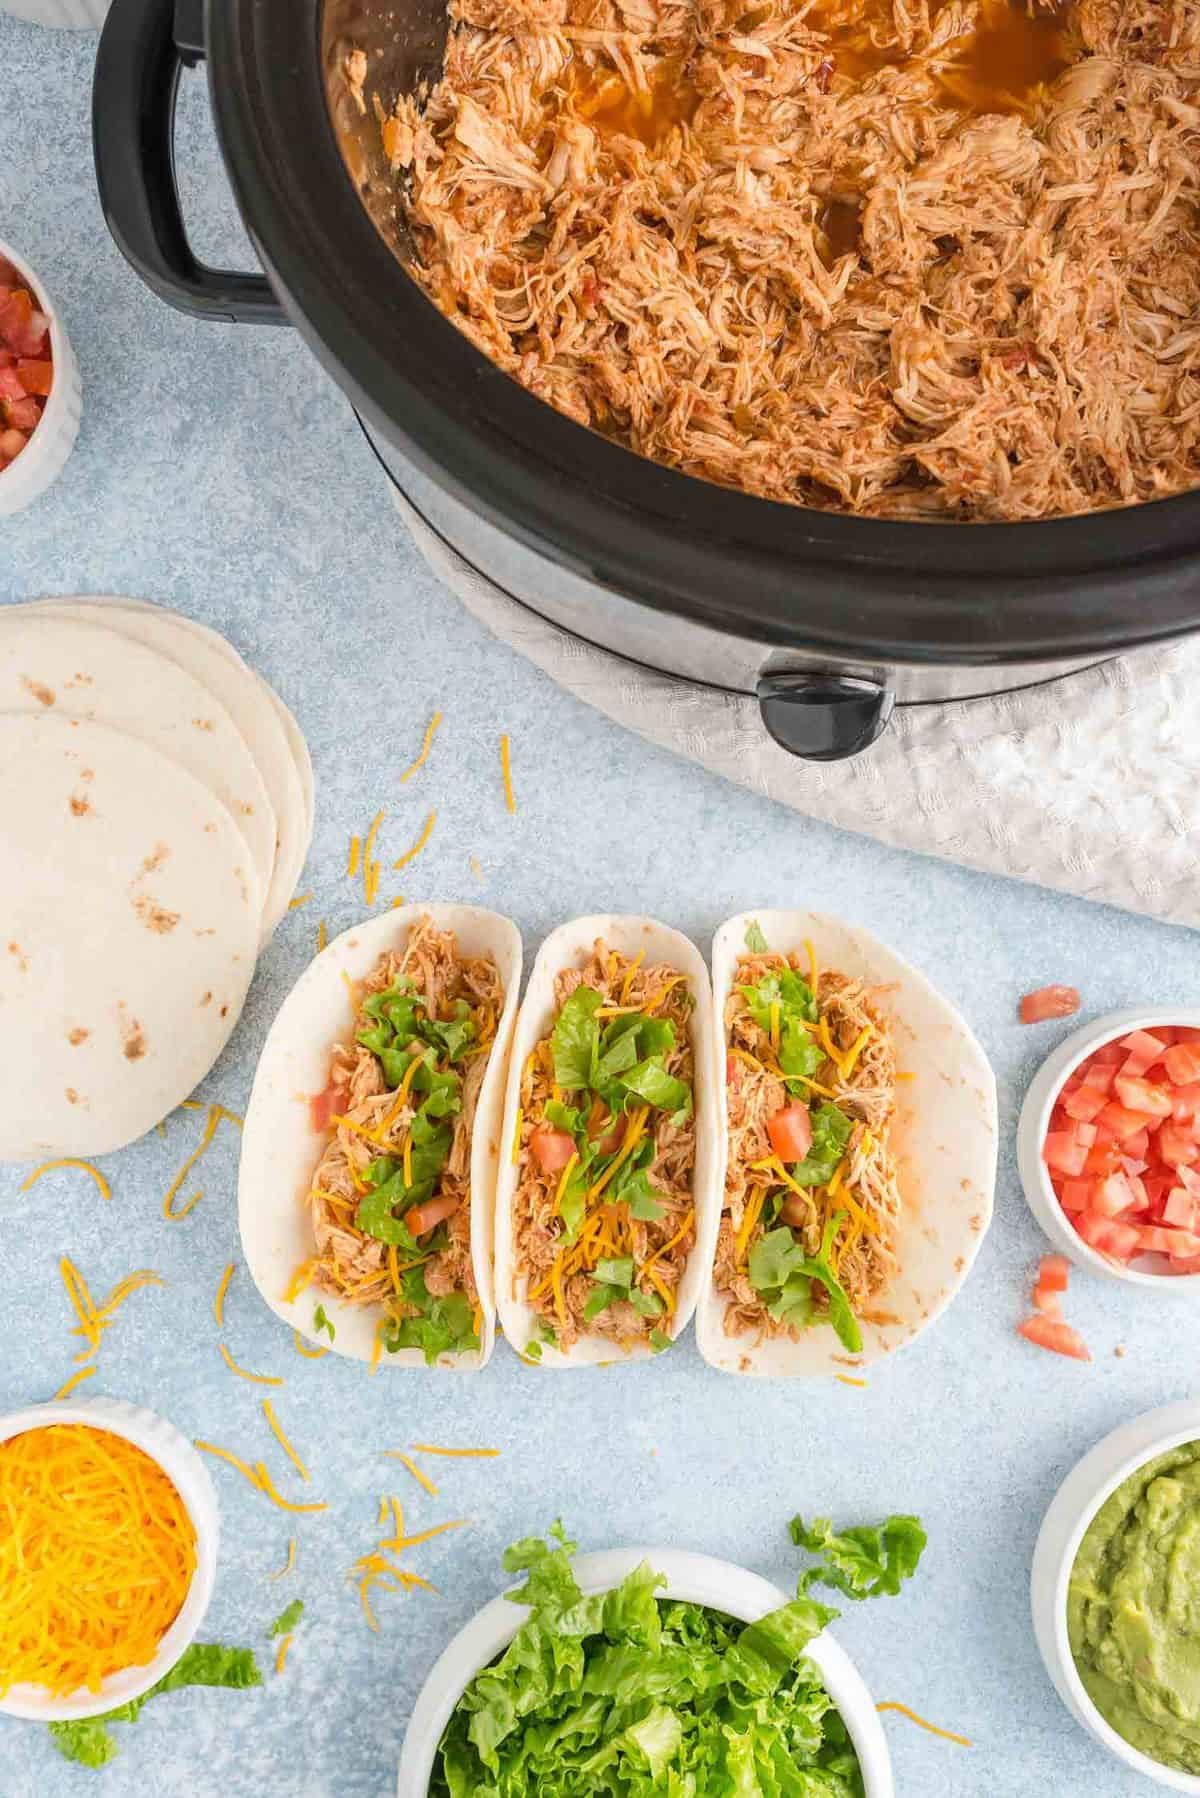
pixel 1031 1134
pixel 183 1466
pixel 698 1579
pixel 1076 1502
pixel 45 455
pixel 64 15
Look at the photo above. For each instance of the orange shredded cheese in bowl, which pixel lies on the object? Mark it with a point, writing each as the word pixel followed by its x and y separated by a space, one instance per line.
pixel 96 1558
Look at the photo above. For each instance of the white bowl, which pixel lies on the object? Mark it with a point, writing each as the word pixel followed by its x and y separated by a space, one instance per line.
pixel 183 1466
pixel 1076 1502
pixel 696 1578
pixel 50 444
pixel 1031 1134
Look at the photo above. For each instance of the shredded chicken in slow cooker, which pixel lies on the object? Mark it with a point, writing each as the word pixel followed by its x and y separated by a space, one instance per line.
pixel 920 258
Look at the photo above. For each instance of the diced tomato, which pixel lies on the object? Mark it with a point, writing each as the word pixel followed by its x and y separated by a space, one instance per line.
pixel 1153 1238
pixel 424 1218
pixel 1113 1196
pixel 1180 1209
pixel 1143 1051
pixel 36 376
pixel 8 274
pixel 1104 1158
pixel 1084 1103
pixel 606 1131
pixel 795 1211
pixel 1064 1154
pixel 1185 1264
pixel 1120 1120
pixel 1108 1055
pixel 790 1131
pixel 551 1148
pixel 1176 1145
pixel 11 385
pixel 1054 1271
pixel 1137 1146
pixel 733 1071
pixel 1187 1033
pixel 1049 1002
pixel 22 327
pixel 21 415
pixel 1046 1300
pixel 11 445
pixel 1142 1095
pixel 1051 1333
pixel 1108 1236
pixel 1187 1103
pixel 1075 1195
pixel 326 1105
pixel 1182 1063
pixel 1189 1179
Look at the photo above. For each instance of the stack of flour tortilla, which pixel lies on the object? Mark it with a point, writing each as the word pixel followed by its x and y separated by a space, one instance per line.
pixel 156 808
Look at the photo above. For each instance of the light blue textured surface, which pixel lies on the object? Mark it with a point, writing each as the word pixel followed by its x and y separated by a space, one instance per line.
pixel 219 470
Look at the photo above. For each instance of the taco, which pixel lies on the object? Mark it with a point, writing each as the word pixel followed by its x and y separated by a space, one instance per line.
pixel 824 1252
pixel 394 1044
pixel 606 1213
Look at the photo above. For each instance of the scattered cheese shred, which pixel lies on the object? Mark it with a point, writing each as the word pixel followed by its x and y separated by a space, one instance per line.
pixel 377 1345
pixel 411 854
pixel 298 901
pixel 406 1461
pixel 290 1564
pixel 455 1454
pixel 506 770
pixel 630 971
pixel 219 1300
pixel 947 1735
pixel 322 937
pixel 750 1216
pixel 775 1026
pixel 169 1211
pixel 398 1543
pixel 855 1050
pixel 76 1379
pixel 814 974
pixel 256 1379
pixel 846 1380
pixel 281 1657
pixel 96 1557
pixel 516 1143
pixel 302 1348
pixel 264 1480
pixel 370 868
pixel 277 1431
pixel 430 732
pixel 223 1454
pixel 353 858
pixel 301 1274
pixel 566 1175
pixel 48 1167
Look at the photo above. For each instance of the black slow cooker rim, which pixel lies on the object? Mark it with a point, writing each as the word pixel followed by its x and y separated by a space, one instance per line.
pixel 887 590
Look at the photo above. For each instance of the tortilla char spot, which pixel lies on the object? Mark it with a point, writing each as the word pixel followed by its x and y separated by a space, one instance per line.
pixel 204 724
pixel 80 807
pixel 72 1096
pixel 959 1264
pixel 155 859
pixel 41 692
pixel 87 774
pixel 207 999
pixel 977 1223
pixel 133 1039
pixel 18 954
pixel 224 1011
pixel 77 1036
pixel 154 916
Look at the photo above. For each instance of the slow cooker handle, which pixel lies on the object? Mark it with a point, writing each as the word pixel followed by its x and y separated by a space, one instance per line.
pixel 824 717
pixel 143 47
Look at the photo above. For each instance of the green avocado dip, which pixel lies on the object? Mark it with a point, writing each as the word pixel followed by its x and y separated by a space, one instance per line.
pixel 1133 1609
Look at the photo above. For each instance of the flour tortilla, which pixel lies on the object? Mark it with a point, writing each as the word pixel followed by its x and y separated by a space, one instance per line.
pixel 280 1148
pixel 568 947
pixel 129 915
pixel 82 670
pixel 943 1135
pixel 212 660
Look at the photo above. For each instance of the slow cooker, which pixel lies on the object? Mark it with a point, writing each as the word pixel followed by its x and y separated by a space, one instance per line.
pixel 829 619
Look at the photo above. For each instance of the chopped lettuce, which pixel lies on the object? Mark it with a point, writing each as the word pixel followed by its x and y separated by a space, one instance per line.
pixel 624 1694
pixel 445 1326
pixel 627 1057
pixel 830 1133
pixel 287 1619
pixel 91 1744
pixel 782 1275
pixel 756 942
pixel 861 1563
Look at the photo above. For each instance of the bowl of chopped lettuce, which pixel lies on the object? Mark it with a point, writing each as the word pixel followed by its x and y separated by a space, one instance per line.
pixel 653 1670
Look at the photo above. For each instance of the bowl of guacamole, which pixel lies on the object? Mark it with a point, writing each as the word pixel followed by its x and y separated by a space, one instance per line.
pixel 1116 1594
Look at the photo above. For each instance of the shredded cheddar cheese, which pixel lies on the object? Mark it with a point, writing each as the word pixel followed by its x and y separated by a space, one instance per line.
pixel 855 1050
pixel 398 1543
pixel 219 1300
pixel 430 732
pixel 750 1216
pixel 298 901
pixel 289 1564
pixel 223 1454
pixel 506 769
pixel 630 971
pixel 353 858
pixel 516 1142
pixel 256 1379
pixel 96 1557
pixel 377 1345
pixel 947 1735
pixel 76 1379
pixel 322 937
pixel 48 1167
pixel 775 1026
pixel 301 1274
pixel 847 1380
pixel 276 1429
pixel 566 1175
pixel 406 1461
pixel 814 974
pixel 455 1454
pixel 281 1657
pixel 370 868
pixel 411 854
pixel 264 1480
pixel 169 1209
pixel 302 1348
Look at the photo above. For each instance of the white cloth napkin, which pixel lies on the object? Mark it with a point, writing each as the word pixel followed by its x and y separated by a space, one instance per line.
pixel 1089 784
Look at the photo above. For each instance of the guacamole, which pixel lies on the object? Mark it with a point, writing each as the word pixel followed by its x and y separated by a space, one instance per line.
pixel 1133 1609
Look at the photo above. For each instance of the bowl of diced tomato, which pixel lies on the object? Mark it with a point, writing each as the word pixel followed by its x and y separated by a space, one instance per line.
pixel 1108 1147
pixel 39 388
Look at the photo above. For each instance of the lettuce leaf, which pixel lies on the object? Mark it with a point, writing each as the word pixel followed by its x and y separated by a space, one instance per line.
pixel 866 1562
pixel 756 942
pixel 287 1619
pixel 830 1133
pixel 575 1040
pixel 782 1275
pixel 90 1742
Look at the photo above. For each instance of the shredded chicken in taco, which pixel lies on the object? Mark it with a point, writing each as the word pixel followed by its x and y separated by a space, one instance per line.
pixel 390 1199
pixel 812 1203
pixel 922 258
pixel 604 1212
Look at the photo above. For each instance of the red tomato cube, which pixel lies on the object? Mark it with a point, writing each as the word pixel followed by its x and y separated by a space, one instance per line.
pixel 1054 1272
pixel 1075 1195
pixel 1100 1074
pixel 1051 1333
pixel 1121 1121
pixel 1176 1145
pixel 36 376
pixel 1114 1195
pixel 1142 1095
pixel 1049 1002
pixel 1109 1236
pixel 1084 1103
pixel 1182 1063
pixel 1064 1154
pixel 1143 1051
pixel 1046 1300
pixel 1180 1209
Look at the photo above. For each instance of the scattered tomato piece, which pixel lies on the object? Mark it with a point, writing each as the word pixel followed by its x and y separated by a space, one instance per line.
pixel 1054 1271
pixel 1051 1333
pixel 1049 1002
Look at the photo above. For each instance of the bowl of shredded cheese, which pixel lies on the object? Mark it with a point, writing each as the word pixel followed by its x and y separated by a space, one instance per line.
pixel 107 1559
